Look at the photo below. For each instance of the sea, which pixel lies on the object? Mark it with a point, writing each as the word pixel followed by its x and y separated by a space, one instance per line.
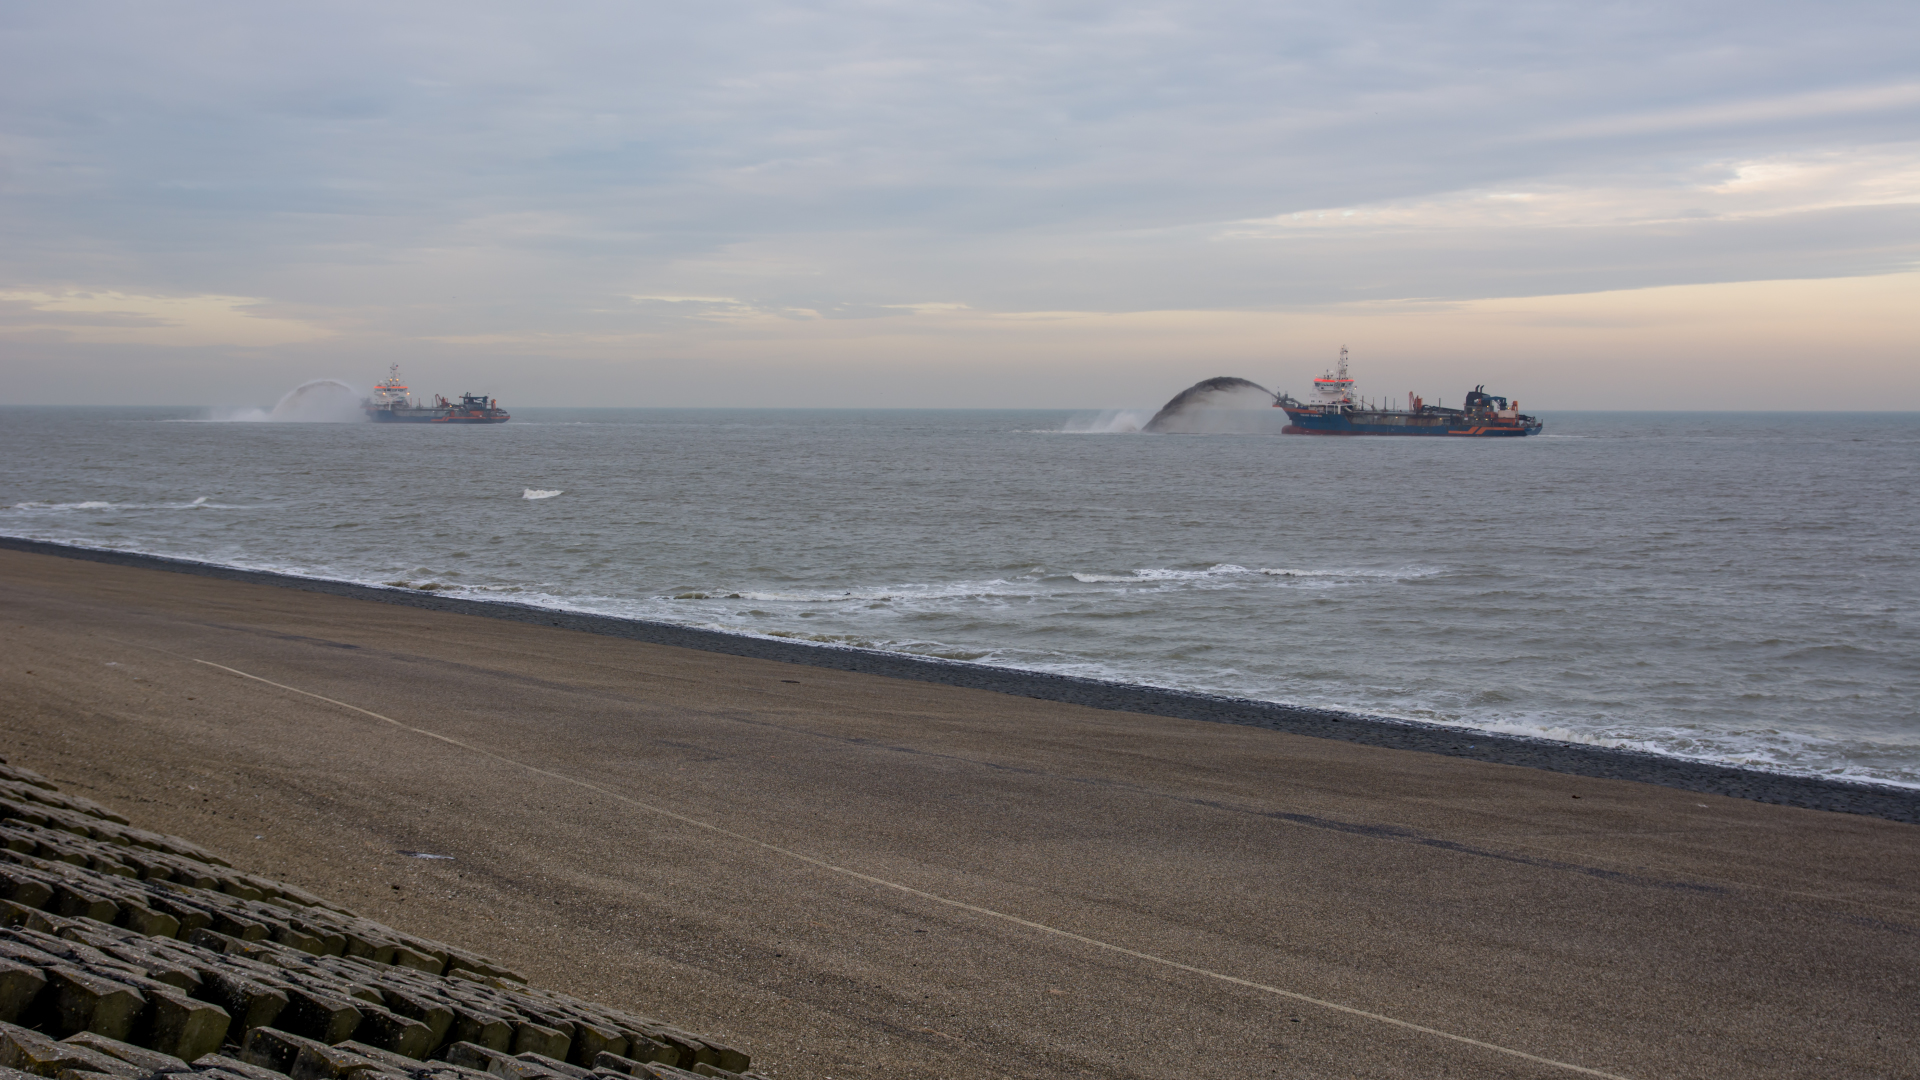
pixel 1739 588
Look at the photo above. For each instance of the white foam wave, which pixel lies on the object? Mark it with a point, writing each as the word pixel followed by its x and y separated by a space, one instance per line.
pixel 1763 749
pixel 1225 571
pixel 1405 573
pixel 537 493
pixel 202 503
pixel 1146 574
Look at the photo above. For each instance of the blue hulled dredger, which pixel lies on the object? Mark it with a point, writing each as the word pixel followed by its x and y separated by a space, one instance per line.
pixel 391 404
pixel 1334 410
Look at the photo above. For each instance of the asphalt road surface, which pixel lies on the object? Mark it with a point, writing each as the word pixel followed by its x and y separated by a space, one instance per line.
pixel 855 876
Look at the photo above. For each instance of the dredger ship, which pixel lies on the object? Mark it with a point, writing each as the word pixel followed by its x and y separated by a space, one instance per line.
pixel 1335 411
pixel 391 405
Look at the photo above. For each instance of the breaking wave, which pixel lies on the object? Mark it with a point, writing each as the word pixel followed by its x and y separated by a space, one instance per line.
pixel 537 493
pixel 203 502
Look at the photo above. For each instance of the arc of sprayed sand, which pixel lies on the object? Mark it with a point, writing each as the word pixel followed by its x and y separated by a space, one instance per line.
pixel 962 905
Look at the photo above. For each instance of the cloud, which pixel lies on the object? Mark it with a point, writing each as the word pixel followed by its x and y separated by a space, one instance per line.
pixel 1776 186
pixel 119 318
pixel 600 175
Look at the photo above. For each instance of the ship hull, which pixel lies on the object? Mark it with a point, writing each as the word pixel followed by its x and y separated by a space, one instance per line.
pixel 1404 423
pixel 434 416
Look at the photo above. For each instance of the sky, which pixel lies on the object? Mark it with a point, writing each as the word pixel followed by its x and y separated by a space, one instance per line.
pixel 1673 205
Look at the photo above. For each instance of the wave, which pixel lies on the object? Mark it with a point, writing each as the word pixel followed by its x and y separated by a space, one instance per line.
pixel 1762 750
pixel 537 493
pixel 1224 571
pixel 202 503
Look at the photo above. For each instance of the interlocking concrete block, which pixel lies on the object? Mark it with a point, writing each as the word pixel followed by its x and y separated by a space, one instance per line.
pixel 418 961
pixel 191 918
pixel 145 921
pixel 481 1028
pixel 391 1061
pixel 229 1067
pixel 182 1026
pixel 237 888
pixel 317 1014
pixel 74 902
pixel 271 1048
pixel 700 1049
pixel 440 1070
pixel 496 1063
pixel 370 946
pixel 685 1051
pixel 191 874
pixel 653 1070
pixel 532 1038
pixel 307 1059
pixel 20 775
pixel 589 1040
pixel 730 1059
pixel 235 925
pixel 25 888
pixel 215 940
pixel 331 942
pixel 76 1000
pixel 21 953
pixel 614 1063
pixel 139 1056
pixel 14 916
pixel 413 1006
pixel 300 896
pixel 555 1065
pixel 390 1031
pixel 249 1002
pixel 294 939
pixel 32 1052
pixel 89 1074
pixel 158 966
pixel 459 960
pixel 20 984
pixel 641 1048
pixel 69 943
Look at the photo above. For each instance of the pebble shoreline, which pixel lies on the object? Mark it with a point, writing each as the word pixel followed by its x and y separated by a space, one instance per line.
pixel 130 955
pixel 1817 793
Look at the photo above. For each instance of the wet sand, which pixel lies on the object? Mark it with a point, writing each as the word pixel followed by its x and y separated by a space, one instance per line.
pixel 851 875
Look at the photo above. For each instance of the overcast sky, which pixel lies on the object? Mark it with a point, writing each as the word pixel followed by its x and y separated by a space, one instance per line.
pixel 1069 204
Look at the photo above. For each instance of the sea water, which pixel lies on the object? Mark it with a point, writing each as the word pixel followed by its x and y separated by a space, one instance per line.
pixel 1736 588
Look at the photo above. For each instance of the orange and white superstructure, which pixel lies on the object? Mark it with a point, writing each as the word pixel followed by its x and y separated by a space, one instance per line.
pixel 1335 388
pixel 390 391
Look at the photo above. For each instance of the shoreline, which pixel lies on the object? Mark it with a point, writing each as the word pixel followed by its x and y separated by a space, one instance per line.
pixel 1818 793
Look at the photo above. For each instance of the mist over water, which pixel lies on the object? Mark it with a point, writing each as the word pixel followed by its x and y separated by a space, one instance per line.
pixel 322 401
pixel 1738 588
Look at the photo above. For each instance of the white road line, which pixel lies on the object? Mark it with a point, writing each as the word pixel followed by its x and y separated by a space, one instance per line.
pixel 923 894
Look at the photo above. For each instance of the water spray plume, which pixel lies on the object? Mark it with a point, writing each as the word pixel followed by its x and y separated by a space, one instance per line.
pixel 1215 406
pixel 322 401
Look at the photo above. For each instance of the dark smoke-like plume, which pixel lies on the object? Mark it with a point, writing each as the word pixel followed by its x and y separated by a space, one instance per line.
pixel 1214 405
